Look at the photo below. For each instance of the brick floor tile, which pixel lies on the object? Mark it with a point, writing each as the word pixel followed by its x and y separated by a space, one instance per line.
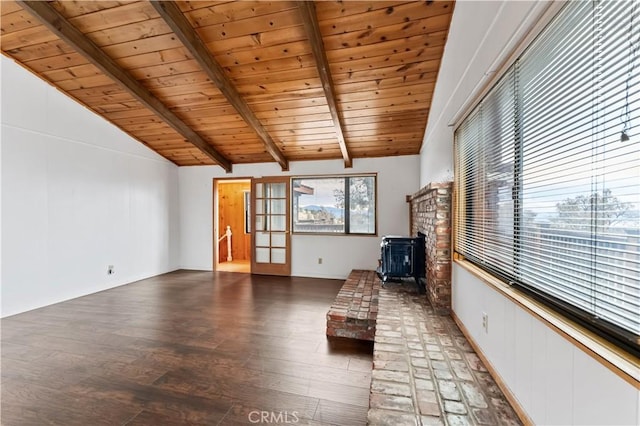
pixel 473 395
pixel 390 388
pixel 463 344
pixel 424 384
pixel 413 339
pixel 445 340
pixel 488 385
pixel 461 371
pixel 379 417
pixel 417 354
pixel 483 416
pixel 420 362
pixel 431 421
pixel 389 340
pixel 503 412
pixel 391 402
pixel 436 355
pixel 457 420
pixel 439 365
pixel 454 407
pixel 421 373
pixel 443 374
pixel 430 339
pixel 391 376
pixel 391 365
pixel 449 390
pixel 384 333
pixel 387 327
pixel 474 362
pixel 426 395
pixel 429 408
pixel 452 354
pixel 390 348
pixel 379 355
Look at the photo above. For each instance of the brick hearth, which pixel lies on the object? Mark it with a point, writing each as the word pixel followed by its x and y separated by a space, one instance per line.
pixel 354 312
pixel 425 372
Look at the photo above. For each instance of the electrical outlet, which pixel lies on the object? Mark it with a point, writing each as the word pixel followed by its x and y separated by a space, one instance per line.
pixel 319 261
pixel 485 322
pixel 110 270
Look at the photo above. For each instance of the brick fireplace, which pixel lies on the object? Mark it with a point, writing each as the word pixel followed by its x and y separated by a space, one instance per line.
pixel 431 214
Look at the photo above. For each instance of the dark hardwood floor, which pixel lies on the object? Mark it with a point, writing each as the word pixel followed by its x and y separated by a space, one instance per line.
pixel 185 348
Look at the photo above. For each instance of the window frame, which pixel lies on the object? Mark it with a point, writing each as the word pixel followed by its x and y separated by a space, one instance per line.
pixel 557 305
pixel 347 232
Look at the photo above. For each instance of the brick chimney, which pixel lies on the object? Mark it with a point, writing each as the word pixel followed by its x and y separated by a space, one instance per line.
pixel 431 214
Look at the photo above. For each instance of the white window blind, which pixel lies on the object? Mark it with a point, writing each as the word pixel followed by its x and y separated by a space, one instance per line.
pixel 548 170
pixel 485 143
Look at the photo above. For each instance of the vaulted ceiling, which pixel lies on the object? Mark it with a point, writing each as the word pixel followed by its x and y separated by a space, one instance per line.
pixel 225 82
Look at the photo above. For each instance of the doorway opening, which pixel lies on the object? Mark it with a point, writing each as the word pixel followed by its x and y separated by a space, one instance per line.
pixel 232 225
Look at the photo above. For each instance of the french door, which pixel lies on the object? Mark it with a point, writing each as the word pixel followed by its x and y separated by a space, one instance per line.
pixel 271 239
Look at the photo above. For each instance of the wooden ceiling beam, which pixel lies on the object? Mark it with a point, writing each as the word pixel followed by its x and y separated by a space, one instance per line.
pixel 60 26
pixel 173 16
pixel 310 20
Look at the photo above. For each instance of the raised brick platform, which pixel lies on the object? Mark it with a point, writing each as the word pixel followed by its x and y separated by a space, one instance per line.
pixel 424 370
pixel 354 312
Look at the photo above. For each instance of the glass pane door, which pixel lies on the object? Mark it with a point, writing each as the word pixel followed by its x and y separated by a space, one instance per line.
pixel 271 237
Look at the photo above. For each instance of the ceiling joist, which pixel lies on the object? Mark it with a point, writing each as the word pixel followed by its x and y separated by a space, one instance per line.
pixel 310 20
pixel 60 26
pixel 172 15
pixel 367 95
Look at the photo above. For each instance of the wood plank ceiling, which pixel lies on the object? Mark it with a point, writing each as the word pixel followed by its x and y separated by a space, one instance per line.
pixel 227 82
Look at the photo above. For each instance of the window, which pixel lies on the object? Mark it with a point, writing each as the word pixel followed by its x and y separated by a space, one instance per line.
pixel 341 205
pixel 548 171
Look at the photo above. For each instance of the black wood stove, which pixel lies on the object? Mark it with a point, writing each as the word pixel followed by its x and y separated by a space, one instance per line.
pixel 403 257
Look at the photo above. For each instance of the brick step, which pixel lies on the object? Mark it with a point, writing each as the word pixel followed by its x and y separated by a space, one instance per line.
pixel 355 310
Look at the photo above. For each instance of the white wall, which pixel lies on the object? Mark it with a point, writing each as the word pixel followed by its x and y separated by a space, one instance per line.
pixel 77 195
pixel 555 382
pixel 397 177
pixel 481 37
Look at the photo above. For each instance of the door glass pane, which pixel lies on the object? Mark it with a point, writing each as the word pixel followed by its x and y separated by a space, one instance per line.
pixel 262 255
pixel 259 206
pixel 278 240
pixel 259 190
pixel 262 239
pixel 260 223
pixel 278 190
pixel 278 255
pixel 278 223
pixel 278 206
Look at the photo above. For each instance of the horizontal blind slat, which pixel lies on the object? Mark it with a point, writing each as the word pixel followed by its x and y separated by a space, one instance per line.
pixel 549 133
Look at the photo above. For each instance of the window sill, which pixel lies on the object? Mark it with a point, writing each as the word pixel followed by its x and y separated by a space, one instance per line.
pixel 620 362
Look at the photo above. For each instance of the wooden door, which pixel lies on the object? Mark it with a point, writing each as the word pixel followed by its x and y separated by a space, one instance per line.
pixel 270 237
